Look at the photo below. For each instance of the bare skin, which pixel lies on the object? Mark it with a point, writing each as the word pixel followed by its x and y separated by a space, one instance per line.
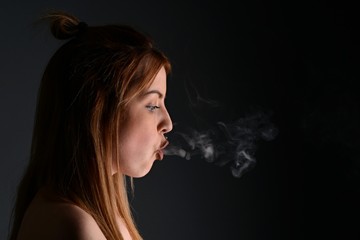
pixel 47 218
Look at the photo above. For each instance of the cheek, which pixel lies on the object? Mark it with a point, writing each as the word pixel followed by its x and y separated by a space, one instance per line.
pixel 135 139
pixel 139 132
pixel 137 147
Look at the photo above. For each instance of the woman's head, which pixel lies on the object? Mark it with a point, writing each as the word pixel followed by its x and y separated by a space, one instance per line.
pixel 88 92
pixel 100 116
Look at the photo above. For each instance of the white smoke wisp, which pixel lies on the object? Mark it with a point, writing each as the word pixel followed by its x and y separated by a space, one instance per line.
pixel 225 144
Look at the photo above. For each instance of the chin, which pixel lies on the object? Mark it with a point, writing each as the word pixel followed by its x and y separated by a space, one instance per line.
pixel 139 175
pixel 143 172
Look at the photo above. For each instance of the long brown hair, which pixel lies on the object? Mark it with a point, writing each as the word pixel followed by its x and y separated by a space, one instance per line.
pixel 82 99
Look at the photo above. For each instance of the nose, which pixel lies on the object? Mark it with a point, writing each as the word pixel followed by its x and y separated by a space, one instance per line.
pixel 166 123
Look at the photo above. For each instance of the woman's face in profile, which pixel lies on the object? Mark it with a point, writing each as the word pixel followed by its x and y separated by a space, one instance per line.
pixel 142 133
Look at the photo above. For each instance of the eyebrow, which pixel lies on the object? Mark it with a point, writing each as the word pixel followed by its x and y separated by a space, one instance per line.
pixel 154 92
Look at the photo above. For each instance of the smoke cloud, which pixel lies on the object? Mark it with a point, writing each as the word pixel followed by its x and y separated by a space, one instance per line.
pixel 231 144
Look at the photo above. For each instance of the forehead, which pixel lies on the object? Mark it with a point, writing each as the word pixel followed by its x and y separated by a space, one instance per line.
pixel 158 86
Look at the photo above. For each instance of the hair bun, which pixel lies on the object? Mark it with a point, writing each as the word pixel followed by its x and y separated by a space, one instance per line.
pixel 64 25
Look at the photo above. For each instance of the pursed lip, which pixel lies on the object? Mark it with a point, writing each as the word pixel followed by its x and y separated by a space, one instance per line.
pixel 160 151
pixel 160 154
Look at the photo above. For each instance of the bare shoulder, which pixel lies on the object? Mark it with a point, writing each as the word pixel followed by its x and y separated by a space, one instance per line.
pixel 56 220
pixel 79 223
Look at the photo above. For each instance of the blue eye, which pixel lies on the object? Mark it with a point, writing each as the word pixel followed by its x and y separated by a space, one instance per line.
pixel 152 108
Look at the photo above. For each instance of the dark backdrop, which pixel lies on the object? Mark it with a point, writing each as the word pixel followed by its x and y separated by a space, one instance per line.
pixel 298 60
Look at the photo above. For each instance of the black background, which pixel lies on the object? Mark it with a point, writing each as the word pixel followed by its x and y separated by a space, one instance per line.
pixel 297 59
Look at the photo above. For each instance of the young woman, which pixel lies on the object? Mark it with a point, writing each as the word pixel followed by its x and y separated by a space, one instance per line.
pixel 100 118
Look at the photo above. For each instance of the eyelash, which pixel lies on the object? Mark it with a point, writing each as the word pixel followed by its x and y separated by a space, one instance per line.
pixel 152 108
